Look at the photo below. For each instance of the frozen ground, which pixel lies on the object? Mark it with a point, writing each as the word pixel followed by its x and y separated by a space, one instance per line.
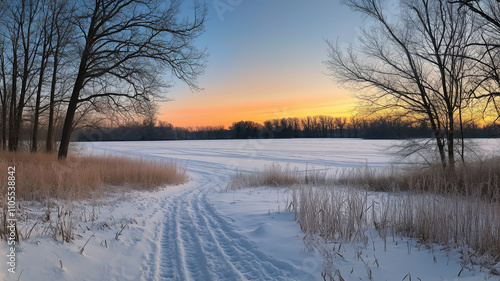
pixel 196 232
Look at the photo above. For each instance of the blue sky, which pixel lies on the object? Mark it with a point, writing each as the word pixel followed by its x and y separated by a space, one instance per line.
pixel 265 62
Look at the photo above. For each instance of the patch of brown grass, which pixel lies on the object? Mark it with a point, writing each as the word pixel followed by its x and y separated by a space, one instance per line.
pixel 458 208
pixel 43 180
pixel 476 179
pixel 277 175
pixel 40 176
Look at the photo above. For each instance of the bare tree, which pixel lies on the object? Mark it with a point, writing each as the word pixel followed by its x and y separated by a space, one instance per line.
pixel 415 66
pixel 149 113
pixel 325 124
pixel 295 122
pixel 27 15
pixel 355 124
pixel 340 123
pixel 308 125
pixel 18 28
pixel 125 47
pixel 4 97
pixel 45 33
pixel 488 54
pixel 62 31
pixel 12 31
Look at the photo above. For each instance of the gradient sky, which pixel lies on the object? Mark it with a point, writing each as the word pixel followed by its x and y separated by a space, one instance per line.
pixel 265 62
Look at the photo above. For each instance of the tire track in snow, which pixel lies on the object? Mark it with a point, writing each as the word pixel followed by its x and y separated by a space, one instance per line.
pixel 197 243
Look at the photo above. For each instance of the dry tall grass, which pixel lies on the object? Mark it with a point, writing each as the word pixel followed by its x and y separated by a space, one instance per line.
pixel 481 178
pixel 457 209
pixel 57 184
pixel 332 213
pixel 40 176
pixel 277 175
pixel 346 214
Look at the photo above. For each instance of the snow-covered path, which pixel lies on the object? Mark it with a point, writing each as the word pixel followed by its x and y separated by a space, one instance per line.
pixel 197 243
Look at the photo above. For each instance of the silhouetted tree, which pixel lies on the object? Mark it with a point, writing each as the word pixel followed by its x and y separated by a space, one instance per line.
pixel 62 31
pixel 46 31
pixel 488 54
pixel 125 46
pixel 4 96
pixel 416 64
pixel 340 124
pixel 245 129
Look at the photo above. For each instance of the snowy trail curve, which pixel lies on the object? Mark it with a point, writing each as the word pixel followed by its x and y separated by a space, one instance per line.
pixel 197 243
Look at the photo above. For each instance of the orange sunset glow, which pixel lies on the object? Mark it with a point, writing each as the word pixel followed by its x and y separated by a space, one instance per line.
pixel 267 68
pixel 182 113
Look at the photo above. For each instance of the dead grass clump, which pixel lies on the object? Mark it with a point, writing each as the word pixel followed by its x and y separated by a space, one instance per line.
pixel 41 176
pixel 371 178
pixel 133 173
pixel 448 220
pixel 276 175
pixel 476 179
pixel 332 213
pixel 43 180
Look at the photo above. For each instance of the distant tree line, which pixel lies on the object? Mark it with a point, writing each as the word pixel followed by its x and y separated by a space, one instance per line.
pixel 321 126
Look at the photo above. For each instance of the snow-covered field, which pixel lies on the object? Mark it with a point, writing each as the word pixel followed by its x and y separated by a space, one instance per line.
pixel 197 231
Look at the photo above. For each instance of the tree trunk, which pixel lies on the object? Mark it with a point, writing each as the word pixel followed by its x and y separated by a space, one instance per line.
pixel 439 139
pixel 70 116
pixel 4 109
pixel 20 108
pixel 462 135
pixel 70 113
pixel 50 129
pixel 75 95
pixel 442 154
pixel 47 38
pixel 34 141
pixel 12 111
pixel 451 144
pixel 4 119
